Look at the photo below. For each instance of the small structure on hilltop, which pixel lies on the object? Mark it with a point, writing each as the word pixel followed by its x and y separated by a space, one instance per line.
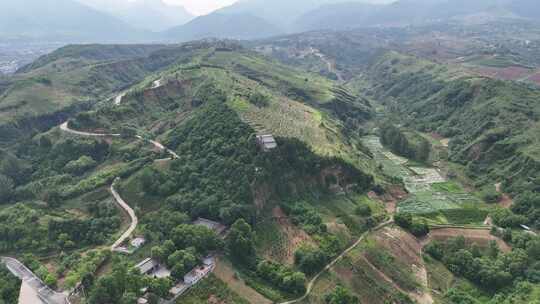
pixel 218 228
pixel 267 142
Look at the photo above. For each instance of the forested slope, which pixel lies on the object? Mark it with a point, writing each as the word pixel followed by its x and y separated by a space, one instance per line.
pixel 493 125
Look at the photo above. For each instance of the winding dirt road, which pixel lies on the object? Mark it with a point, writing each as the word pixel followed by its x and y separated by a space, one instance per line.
pixel 65 127
pixel 160 146
pixel 334 262
pixel 130 212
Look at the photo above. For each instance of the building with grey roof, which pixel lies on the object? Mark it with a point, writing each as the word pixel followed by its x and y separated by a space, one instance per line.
pixel 267 142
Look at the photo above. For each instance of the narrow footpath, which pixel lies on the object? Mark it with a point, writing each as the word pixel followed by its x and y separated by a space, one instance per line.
pixel 335 261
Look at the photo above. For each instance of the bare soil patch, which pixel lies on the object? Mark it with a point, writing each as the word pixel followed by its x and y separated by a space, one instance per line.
pixel 293 237
pixel 408 250
pixel 393 195
pixel 507 73
pixel 402 245
pixel 506 201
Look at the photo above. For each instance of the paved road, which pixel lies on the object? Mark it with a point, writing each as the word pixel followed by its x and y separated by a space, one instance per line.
pixel 65 127
pixel 335 261
pixel 45 293
pixel 130 212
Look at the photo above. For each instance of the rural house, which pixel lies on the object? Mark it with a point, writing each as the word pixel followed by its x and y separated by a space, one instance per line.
pixel 267 142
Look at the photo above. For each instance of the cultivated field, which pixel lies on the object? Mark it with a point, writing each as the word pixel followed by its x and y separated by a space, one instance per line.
pixel 431 193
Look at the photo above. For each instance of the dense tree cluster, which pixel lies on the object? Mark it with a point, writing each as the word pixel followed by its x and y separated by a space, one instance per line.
pixel 258 99
pixel 294 170
pixel 340 295
pixel 507 219
pixel 492 269
pixel 306 216
pixel 410 145
pixel 79 166
pixel 187 245
pixel 282 277
pixel 212 178
pixel 20 230
pixel 241 244
pixel 124 285
pixel 9 286
pixel 527 204
pixel 407 222
pixel 104 222
pixel 157 225
pixel 310 259
pixel 220 161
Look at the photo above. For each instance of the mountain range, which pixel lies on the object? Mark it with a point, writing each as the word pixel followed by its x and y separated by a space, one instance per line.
pixel 64 20
pixel 153 20
pixel 153 15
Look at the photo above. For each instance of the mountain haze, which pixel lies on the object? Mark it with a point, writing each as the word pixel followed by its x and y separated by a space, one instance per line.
pixel 217 25
pixel 153 15
pixel 61 20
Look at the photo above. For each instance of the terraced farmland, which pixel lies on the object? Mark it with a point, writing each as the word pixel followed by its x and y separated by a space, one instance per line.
pixel 432 195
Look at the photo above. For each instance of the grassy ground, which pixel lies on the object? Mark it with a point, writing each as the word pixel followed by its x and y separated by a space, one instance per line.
pixel 211 290
pixel 354 273
pixel 225 272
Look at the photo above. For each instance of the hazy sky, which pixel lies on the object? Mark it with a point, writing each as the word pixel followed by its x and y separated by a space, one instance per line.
pixel 201 7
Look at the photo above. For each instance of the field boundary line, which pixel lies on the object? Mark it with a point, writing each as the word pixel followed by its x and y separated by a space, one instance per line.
pixel 335 261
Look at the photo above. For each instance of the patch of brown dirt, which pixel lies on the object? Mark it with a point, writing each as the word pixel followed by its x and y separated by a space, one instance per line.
pixel 507 73
pixel 344 273
pixel 389 202
pixel 214 300
pixel 402 245
pixel 392 196
pixel 506 201
pixel 293 236
pixel 408 250
pixel 419 296
pixel 481 237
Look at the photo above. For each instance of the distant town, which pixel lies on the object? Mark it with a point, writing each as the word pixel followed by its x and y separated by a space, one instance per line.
pixel 14 55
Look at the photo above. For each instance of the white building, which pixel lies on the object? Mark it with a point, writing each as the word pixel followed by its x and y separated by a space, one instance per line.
pixel 138 242
pixel 197 274
pixel 267 142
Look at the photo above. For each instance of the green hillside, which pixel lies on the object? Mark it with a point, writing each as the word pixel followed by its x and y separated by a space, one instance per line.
pixel 393 179
pixel 493 125
pixel 206 102
pixel 74 78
